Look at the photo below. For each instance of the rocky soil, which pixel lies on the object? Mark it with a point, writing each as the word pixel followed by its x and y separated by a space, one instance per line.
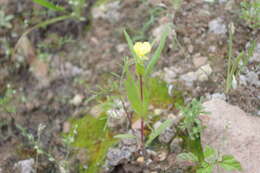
pixel 51 80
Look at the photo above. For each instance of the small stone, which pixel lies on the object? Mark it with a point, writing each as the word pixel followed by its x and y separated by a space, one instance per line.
pixel 96 111
pixel 140 159
pixel 129 141
pixel 162 155
pixel 212 48
pixel 121 47
pixel 217 26
pixel 66 127
pixel 222 1
pixel 158 111
pixel 252 79
pixel 242 80
pixel 171 116
pixel 199 61
pixel 136 125
pixel 116 118
pixel 221 96
pixel 203 72
pixel 229 5
pixel 176 145
pixel 157 124
pixel 190 48
pixel 169 75
pixel 115 155
pixel 108 11
pixel 77 100
pixel 24 166
pixel 151 153
pixel 167 135
pixel 189 78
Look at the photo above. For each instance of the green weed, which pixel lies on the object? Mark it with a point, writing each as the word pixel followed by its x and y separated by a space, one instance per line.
pixel 250 12
pixel 191 122
pixel 237 64
pixel 212 159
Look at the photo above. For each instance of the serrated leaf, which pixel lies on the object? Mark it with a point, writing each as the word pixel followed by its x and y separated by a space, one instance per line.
pixel 156 132
pixel 207 169
pixel 210 154
pixel 49 5
pixel 229 163
pixel 188 157
pixel 125 136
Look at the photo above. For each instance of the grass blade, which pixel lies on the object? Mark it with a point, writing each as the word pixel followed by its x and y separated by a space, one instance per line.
pixel 130 44
pixel 48 5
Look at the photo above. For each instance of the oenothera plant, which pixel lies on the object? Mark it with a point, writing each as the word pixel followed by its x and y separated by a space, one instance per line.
pixel 137 84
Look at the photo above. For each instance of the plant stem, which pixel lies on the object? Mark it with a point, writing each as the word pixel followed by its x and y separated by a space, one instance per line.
pixel 142 119
pixel 129 117
pixel 230 54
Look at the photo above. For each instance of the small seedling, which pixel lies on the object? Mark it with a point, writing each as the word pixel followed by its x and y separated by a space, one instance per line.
pixel 191 122
pixel 212 159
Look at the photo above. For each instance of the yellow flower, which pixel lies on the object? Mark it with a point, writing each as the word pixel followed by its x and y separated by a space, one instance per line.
pixel 141 49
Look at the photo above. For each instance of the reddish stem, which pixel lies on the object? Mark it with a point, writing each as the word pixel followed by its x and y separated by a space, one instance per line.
pixel 142 120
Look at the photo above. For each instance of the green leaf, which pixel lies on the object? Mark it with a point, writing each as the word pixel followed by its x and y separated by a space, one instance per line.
pixel 210 154
pixel 125 136
pixel 49 5
pixel 130 45
pixel 156 132
pixel 207 169
pixel 229 163
pixel 133 95
pixel 158 52
pixel 188 157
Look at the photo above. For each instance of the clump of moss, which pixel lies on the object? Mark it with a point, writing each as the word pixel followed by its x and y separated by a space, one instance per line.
pixel 96 138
